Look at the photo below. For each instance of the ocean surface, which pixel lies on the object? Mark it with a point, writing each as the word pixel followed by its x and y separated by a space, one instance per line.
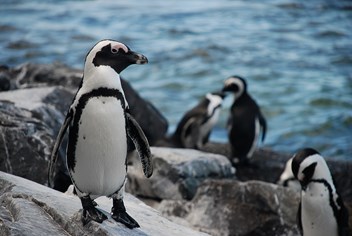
pixel 296 56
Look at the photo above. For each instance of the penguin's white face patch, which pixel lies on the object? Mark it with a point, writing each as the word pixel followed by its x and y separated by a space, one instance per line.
pixel 215 102
pixel 234 81
pixel 306 163
pixel 287 173
pixel 116 46
pixel 321 170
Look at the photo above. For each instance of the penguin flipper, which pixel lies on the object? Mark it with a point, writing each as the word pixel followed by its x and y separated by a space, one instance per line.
pixel 57 145
pixel 342 218
pixel 140 141
pixel 262 123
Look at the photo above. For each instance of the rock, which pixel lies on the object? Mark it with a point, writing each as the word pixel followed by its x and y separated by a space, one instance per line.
pixel 231 207
pixel 45 103
pixel 32 209
pixel 177 173
pixel 43 75
pixel 5 78
pixel 36 119
pixel 25 143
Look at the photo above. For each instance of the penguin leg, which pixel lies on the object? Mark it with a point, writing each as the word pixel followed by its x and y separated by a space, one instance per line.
pixel 119 213
pixel 90 212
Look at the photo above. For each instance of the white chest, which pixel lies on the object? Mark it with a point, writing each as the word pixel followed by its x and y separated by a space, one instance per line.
pixel 317 215
pixel 207 126
pixel 101 147
pixel 255 139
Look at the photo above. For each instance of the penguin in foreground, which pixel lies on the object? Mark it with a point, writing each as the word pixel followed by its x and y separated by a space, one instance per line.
pixel 321 211
pixel 99 125
pixel 245 121
pixel 194 129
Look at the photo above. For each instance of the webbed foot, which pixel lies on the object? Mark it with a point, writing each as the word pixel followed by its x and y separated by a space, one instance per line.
pixel 119 214
pixel 90 212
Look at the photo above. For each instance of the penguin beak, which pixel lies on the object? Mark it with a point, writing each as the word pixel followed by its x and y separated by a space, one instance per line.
pixel 137 58
pixel 225 90
pixel 222 94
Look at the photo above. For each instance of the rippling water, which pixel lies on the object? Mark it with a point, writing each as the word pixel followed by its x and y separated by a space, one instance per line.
pixel 296 56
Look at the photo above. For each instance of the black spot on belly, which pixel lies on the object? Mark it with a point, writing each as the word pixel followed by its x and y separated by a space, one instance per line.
pixel 84 137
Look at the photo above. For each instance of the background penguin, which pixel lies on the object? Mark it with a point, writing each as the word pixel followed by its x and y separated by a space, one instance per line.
pixel 321 210
pixel 194 129
pixel 287 179
pixel 99 123
pixel 245 120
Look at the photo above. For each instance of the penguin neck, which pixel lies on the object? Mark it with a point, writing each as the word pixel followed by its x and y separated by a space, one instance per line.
pixel 101 76
pixel 324 173
pixel 244 96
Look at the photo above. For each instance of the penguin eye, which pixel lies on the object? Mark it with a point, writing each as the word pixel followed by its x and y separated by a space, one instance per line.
pixel 114 50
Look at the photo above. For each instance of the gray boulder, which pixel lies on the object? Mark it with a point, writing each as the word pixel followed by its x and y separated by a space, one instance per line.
pixel 30 118
pixel 231 207
pixel 28 208
pixel 177 173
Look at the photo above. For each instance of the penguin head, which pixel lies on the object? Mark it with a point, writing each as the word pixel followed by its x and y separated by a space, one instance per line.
pixel 112 54
pixel 235 84
pixel 308 164
pixel 214 100
pixel 287 173
pixel 217 96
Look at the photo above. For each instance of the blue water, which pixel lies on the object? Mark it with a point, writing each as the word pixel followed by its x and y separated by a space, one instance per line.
pixel 296 56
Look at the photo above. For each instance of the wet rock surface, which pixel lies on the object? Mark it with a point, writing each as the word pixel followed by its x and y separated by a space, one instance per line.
pixel 231 207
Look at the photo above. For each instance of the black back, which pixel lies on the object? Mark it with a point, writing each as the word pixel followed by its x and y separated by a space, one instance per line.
pixel 244 111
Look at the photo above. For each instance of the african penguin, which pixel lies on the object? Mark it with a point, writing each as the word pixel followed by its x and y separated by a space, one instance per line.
pixel 287 179
pixel 245 120
pixel 194 129
pixel 99 125
pixel 321 210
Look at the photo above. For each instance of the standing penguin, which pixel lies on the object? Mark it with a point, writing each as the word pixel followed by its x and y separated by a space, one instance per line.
pixel 245 121
pixel 99 125
pixel 194 129
pixel 321 211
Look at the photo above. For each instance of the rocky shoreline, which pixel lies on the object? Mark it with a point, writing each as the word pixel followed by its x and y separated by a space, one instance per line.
pixel 198 189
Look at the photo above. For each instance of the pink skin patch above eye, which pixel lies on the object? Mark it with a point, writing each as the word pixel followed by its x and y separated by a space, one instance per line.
pixel 118 46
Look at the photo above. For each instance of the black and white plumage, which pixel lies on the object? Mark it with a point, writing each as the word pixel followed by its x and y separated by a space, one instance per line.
pixel 321 210
pixel 287 179
pixel 194 129
pixel 99 123
pixel 245 121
